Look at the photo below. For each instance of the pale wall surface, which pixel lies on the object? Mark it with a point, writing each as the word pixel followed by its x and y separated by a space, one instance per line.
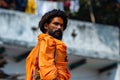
pixel 94 40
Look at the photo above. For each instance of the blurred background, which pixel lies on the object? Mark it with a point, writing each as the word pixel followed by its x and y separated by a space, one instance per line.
pixel 92 36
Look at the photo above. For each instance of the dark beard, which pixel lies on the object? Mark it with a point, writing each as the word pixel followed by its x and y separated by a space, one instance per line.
pixel 54 34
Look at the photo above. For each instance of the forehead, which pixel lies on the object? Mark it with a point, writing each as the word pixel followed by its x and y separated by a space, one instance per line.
pixel 57 19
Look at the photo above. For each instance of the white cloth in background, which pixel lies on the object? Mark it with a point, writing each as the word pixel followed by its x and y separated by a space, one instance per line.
pixel 45 6
pixel 74 7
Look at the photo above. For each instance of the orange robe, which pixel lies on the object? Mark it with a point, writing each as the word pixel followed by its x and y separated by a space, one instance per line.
pixel 52 59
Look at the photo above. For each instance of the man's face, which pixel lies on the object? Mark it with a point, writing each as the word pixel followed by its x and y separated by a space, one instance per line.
pixel 55 28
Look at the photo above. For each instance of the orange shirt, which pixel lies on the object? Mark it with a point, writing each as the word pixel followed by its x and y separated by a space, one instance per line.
pixel 52 59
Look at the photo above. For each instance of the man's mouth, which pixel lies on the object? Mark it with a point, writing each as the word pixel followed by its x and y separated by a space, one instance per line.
pixel 57 33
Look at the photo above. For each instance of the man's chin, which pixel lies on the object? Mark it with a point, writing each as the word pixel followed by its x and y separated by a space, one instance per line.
pixel 58 37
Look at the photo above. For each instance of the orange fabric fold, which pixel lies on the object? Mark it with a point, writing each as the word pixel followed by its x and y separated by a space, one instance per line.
pixel 52 59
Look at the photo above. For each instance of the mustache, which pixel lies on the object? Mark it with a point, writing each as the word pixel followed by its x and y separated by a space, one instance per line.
pixel 58 31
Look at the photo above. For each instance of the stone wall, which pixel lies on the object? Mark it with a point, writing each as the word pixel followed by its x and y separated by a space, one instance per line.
pixel 82 38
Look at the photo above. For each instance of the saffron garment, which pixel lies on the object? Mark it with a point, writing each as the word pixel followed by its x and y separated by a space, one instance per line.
pixel 52 59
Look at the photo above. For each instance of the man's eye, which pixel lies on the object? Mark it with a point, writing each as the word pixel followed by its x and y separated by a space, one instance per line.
pixel 56 23
pixel 62 25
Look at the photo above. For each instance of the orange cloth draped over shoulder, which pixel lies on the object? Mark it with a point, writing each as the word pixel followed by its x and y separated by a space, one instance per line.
pixel 52 59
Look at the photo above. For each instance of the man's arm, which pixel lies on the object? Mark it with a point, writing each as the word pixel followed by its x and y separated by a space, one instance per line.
pixel 47 67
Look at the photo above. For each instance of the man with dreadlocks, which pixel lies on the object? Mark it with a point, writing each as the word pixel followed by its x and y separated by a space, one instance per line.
pixel 48 59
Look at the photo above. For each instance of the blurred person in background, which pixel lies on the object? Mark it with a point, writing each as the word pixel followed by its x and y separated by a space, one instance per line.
pixel 31 7
pixel 48 59
pixel 19 5
pixel 3 4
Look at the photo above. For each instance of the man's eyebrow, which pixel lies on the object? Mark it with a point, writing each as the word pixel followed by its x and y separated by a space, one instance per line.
pixel 56 22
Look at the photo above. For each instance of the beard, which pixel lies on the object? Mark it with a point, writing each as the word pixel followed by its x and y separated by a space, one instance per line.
pixel 56 34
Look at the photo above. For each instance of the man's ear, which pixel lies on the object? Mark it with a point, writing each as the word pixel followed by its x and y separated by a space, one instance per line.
pixel 46 26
